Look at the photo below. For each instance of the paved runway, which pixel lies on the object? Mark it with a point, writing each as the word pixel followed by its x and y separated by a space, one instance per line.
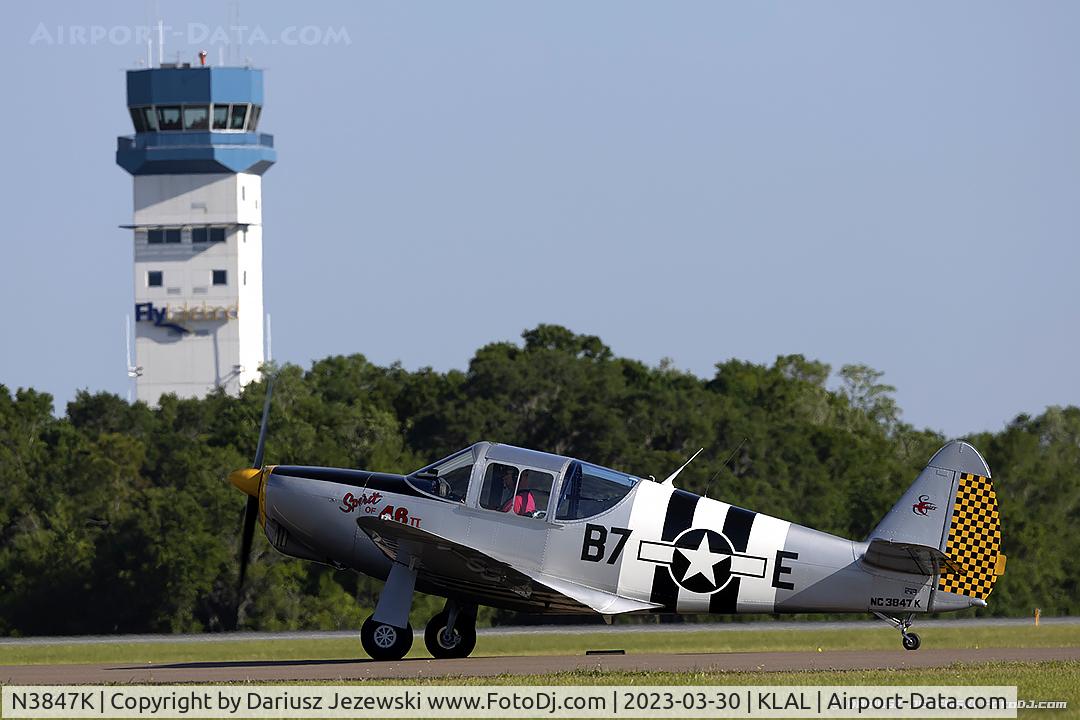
pixel 502 631
pixel 363 669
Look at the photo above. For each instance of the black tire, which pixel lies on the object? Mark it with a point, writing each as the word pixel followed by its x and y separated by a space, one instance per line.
pixel 912 641
pixel 464 636
pixel 385 642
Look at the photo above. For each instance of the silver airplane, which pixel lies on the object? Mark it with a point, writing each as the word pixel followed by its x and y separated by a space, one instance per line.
pixel 534 532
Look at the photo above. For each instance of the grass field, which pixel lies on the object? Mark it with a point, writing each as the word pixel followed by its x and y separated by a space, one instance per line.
pixel 570 643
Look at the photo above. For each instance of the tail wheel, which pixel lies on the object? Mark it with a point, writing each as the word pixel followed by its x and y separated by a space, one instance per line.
pixel 385 642
pixel 458 643
pixel 911 641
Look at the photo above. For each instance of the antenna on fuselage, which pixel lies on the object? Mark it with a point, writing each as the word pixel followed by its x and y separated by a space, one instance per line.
pixel 671 478
pixel 724 465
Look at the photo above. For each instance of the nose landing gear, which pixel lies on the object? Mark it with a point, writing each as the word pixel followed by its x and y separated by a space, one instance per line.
pixel 910 640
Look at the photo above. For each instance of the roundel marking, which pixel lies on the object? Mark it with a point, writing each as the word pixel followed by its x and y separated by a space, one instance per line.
pixel 701 562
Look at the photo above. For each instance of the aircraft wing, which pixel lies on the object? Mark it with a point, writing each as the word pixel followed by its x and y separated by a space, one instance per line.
pixel 458 569
pixel 909 558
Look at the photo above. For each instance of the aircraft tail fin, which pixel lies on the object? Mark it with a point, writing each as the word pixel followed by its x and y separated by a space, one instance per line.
pixel 952 506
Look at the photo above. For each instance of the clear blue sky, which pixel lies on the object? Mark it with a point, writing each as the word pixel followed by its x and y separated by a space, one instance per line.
pixel 896 184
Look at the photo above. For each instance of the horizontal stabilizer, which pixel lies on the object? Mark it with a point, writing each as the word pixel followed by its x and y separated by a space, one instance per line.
pixel 909 558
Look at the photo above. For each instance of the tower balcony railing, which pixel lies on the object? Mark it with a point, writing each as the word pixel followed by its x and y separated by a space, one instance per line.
pixel 144 141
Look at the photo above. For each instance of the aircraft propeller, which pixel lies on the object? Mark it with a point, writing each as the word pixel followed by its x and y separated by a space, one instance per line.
pixel 250 481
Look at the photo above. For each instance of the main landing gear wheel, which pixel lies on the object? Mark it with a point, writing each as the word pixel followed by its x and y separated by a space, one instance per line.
pixel 446 641
pixel 911 641
pixel 385 642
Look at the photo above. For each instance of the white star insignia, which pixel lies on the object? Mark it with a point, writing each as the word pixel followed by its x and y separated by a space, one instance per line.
pixel 702 561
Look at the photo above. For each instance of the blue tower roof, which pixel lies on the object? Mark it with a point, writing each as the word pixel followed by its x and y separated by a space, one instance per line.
pixel 195 120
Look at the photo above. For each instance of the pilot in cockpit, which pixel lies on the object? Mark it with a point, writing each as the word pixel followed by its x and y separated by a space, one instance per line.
pixel 523 502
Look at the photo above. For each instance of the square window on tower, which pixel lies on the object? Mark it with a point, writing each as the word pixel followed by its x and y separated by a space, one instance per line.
pixel 172 235
pixel 154 278
pixel 219 277
pixel 217 234
pixel 200 235
pixel 155 236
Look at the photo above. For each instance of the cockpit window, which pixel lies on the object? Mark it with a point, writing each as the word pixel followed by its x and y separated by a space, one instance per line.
pixel 524 492
pixel 447 478
pixel 589 490
pixel 533 493
pixel 500 481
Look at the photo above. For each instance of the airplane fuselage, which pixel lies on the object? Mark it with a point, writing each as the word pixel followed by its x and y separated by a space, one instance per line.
pixel 666 548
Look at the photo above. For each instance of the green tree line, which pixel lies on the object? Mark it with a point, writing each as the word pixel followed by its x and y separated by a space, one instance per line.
pixel 118 517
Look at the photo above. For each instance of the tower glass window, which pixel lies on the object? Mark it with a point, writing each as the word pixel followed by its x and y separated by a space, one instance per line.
pixel 172 235
pixel 138 119
pixel 253 121
pixel 196 117
pixel 221 117
pixel 219 277
pixel 155 236
pixel 238 116
pixel 154 278
pixel 169 118
pixel 149 119
pixel 217 234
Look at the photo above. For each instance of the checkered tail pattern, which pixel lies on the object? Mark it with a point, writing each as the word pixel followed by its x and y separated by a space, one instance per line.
pixel 974 539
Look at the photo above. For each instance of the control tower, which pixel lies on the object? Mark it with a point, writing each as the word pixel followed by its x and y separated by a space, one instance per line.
pixel 197 161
